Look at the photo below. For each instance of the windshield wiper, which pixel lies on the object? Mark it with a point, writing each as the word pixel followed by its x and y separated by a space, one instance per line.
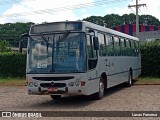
pixel 43 37
pixel 64 35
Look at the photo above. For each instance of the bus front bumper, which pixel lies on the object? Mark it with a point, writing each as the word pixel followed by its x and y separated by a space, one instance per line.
pixel 74 90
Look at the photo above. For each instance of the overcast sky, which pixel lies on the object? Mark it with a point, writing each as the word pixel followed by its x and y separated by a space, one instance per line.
pixel 39 11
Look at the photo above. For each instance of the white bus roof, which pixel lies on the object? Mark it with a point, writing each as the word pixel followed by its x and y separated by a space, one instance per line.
pixel 108 30
pixel 93 26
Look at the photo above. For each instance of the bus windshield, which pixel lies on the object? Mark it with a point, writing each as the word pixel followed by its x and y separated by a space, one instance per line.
pixel 56 53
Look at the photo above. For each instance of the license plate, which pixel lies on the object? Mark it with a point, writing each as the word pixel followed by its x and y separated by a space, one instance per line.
pixel 52 89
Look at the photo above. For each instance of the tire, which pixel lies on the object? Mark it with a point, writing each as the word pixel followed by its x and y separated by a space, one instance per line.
pixel 100 94
pixel 55 97
pixel 130 79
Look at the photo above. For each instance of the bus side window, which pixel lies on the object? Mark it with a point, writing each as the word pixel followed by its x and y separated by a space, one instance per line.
pixel 123 47
pixel 132 48
pixel 89 47
pixel 137 48
pixel 117 49
pixel 102 44
pixel 92 54
pixel 110 45
pixel 127 48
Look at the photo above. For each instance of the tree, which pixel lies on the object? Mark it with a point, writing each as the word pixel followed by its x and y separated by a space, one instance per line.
pixel 11 32
pixel 149 20
pixel 95 19
pixel 113 20
pixel 129 19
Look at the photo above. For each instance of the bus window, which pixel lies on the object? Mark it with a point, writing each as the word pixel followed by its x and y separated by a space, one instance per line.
pixel 102 50
pixel 117 49
pixel 89 47
pixel 92 54
pixel 132 48
pixel 137 48
pixel 127 48
pixel 123 47
pixel 110 45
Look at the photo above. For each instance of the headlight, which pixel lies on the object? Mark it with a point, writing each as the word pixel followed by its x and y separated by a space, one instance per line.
pixel 71 84
pixel 32 84
pixel 77 83
pixel 36 84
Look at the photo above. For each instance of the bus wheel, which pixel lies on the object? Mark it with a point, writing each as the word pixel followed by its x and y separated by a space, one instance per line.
pixel 99 95
pixel 130 79
pixel 55 97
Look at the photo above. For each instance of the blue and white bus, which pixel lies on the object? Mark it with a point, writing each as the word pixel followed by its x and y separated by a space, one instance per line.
pixel 79 58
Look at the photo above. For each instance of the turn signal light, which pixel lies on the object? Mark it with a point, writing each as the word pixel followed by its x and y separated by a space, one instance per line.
pixel 83 83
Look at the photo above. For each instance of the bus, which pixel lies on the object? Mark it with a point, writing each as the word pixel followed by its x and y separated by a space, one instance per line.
pixel 79 58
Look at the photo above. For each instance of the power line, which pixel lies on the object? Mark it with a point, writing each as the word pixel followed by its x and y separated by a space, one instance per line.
pixel 148 10
pixel 137 18
pixel 60 9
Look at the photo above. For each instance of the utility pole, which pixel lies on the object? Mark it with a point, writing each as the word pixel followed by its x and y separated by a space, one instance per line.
pixel 137 18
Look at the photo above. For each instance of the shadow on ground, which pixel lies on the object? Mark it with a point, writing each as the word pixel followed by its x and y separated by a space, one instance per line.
pixel 72 102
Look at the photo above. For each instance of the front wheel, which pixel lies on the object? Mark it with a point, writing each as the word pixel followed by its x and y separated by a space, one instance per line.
pixel 55 97
pixel 100 94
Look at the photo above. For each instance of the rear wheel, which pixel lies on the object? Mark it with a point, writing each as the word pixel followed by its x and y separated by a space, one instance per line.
pixel 100 94
pixel 55 97
pixel 130 79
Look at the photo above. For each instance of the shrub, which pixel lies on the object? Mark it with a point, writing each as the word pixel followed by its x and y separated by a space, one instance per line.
pixel 4 46
pixel 150 54
pixel 12 64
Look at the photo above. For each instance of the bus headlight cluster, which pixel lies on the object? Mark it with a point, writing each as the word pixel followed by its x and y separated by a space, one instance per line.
pixel 71 84
pixel 77 83
pixel 32 84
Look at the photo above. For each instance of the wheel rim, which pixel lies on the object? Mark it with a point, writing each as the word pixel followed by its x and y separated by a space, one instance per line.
pixel 130 79
pixel 101 88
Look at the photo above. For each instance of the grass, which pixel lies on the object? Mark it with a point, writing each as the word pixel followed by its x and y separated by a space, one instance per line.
pixel 147 81
pixel 22 81
pixel 12 82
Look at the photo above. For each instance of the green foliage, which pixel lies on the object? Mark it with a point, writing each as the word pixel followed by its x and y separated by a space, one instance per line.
pixel 12 64
pixel 112 20
pixel 4 46
pixel 11 32
pixel 150 54
pixel 95 19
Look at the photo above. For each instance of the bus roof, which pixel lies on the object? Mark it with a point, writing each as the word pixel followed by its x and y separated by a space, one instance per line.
pixel 92 26
pixel 108 30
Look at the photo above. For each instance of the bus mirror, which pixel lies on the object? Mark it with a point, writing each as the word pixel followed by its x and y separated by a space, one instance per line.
pixel 92 32
pixel 23 36
pixel 95 43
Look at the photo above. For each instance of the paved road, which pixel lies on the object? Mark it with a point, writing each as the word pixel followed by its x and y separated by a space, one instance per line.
pixel 120 98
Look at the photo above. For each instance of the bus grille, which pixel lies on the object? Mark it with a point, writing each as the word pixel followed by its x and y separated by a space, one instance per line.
pixel 59 85
pixel 53 78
